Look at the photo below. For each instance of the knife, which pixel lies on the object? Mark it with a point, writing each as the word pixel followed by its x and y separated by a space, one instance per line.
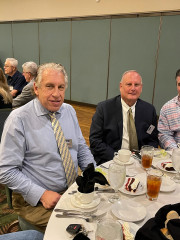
pixel 105 190
pixel 72 211
pixel 97 189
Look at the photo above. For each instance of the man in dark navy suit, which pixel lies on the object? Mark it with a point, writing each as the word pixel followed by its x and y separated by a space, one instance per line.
pixel 15 79
pixel 109 131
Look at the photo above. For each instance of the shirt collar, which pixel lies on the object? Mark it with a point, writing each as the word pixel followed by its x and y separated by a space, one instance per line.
pixel 40 110
pixel 126 107
pixel 177 100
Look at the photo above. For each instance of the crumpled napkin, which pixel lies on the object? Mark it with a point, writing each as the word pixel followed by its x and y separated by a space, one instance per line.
pixel 174 228
pixel 151 229
pixel 88 179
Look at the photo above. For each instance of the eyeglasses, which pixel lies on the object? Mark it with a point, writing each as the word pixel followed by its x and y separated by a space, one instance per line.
pixel 6 66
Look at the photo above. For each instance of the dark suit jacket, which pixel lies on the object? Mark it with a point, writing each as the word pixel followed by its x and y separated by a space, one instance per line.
pixel 107 127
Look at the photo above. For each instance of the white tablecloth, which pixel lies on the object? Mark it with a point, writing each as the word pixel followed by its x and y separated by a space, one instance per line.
pixel 56 228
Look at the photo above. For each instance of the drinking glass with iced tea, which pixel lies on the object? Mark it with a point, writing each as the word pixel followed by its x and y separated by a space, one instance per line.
pixel 154 179
pixel 147 153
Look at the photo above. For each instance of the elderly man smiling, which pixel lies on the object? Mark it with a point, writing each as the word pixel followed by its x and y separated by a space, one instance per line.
pixel 42 147
pixel 110 124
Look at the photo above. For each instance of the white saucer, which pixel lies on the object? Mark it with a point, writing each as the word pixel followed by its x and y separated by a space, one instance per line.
pixel 131 161
pixel 141 189
pixel 128 210
pixel 160 166
pixel 78 204
pixel 167 185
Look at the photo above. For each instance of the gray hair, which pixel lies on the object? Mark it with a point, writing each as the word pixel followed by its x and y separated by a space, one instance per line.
pixel 13 62
pixel 30 67
pixel 54 66
pixel 128 72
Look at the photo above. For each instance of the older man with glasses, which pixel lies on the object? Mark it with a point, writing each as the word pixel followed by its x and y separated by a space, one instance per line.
pixel 15 79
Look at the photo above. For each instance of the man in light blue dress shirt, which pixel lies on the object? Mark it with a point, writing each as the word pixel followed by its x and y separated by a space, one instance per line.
pixel 30 163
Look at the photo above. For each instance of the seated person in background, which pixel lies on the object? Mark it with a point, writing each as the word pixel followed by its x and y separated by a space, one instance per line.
pixel 29 72
pixel 5 96
pixel 169 120
pixel 113 121
pixel 32 164
pixel 15 79
pixel 23 235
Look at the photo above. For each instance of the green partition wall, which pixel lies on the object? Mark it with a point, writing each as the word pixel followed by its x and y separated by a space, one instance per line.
pixel 168 62
pixel 6 49
pixel 90 44
pixel 95 53
pixel 25 42
pixel 54 42
pixel 133 47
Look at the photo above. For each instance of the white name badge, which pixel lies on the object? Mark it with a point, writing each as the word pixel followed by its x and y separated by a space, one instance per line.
pixel 150 129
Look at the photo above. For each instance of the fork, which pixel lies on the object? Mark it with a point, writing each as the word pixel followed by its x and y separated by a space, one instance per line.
pixel 90 218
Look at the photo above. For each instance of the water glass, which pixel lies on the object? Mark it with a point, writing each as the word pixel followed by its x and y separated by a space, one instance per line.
pixel 109 229
pixel 116 177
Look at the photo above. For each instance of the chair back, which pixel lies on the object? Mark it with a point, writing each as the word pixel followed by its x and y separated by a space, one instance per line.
pixel 4 113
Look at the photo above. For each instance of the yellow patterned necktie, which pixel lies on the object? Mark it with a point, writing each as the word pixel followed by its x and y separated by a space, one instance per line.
pixel 133 141
pixel 68 164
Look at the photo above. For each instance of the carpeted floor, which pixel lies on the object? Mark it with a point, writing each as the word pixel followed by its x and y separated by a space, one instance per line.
pixel 8 219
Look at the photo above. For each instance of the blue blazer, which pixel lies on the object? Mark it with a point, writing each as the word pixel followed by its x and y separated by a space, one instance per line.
pixel 107 127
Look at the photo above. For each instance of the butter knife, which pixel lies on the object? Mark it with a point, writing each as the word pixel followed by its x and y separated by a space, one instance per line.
pixel 72 211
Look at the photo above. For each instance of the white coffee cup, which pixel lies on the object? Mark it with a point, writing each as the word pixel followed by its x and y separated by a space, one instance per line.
pixel 122 156
pixel 84 198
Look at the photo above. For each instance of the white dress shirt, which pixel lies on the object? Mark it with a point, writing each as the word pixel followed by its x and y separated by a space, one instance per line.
pixel 125 136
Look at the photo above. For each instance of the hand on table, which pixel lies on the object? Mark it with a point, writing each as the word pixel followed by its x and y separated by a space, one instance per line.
pixel 49 199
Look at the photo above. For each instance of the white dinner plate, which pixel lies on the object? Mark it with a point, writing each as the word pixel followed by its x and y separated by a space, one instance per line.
pixel 131 161
pixel 141 189
pixel 128 210
pixel 160 167
pixel 167 185
pixel 161 154
pixel 78 204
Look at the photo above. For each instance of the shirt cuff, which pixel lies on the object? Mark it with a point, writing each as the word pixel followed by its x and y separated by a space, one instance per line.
pixel 34 195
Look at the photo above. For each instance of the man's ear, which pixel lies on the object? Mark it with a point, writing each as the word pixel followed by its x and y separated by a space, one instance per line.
pixel 36 89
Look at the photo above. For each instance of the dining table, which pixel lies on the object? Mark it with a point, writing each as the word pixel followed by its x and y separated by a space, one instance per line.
pixel 133 208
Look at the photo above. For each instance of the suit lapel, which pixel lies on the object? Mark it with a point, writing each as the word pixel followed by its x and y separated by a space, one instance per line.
pixel 119 117
pixel 138 118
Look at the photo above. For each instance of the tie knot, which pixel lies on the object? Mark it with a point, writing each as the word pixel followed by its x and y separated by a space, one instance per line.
pixel 130 110
pixel 52 115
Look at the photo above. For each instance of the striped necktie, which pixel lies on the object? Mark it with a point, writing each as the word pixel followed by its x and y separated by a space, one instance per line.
pixel 68 164
pixel 133 141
